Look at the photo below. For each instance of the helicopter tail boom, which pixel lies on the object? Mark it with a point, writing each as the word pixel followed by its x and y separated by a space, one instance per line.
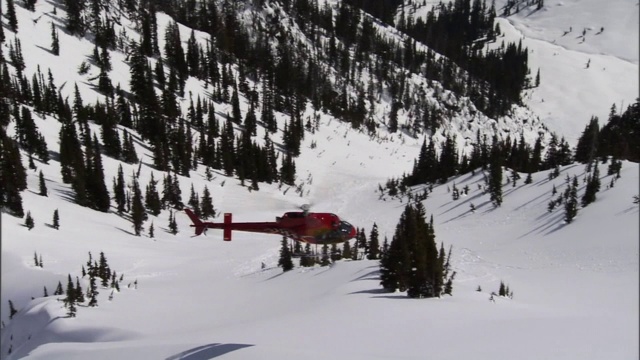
pixel 197 224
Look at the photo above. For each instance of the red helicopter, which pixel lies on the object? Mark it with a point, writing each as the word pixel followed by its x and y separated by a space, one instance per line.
pixel 303 226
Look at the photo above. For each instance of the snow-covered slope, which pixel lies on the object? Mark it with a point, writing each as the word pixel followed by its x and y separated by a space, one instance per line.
pixel 575 286
pixel 581 76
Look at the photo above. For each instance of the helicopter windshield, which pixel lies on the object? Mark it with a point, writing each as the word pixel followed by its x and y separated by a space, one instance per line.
pixel 345 227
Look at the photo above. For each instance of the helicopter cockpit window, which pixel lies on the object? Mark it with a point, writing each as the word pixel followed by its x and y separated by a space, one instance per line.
pixel 345 227
pixel 293 215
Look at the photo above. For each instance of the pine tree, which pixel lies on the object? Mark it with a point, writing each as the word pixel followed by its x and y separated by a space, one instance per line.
pixel 285 261
pixel 28 221
pixel 514 177
pixel 42 184
pixel 151 230
pixel 103 270
pixel 593 186
pixel 14 177
pixel 92 291
pixel 361 242
pixel 325 260
pixel 56 219
pixel 528 179
pixel 495 175
pixel 571 201
pixel 55 43
pixel 119 190
pixel 75 20
pixel 334 253
pixel 2 38
pixel 70 300
pixel 173 225
pixel 194 202
pixel 587 146
pixel 346 250
pixel 11 16
pixel 206 205
pixel 12 310
pixel 30 5
pixel 46 293
pixel 411 261
pixel 79 292
pixel 374 243
pixel 152 198
pixel 58 290
pixel 138 214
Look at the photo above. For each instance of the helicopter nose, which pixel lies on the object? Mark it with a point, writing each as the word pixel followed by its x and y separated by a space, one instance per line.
pixel 352 233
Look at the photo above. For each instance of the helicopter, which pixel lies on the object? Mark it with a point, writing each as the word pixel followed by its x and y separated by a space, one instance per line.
pixel 302 226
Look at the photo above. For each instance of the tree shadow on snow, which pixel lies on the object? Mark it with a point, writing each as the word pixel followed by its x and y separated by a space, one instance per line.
pixel 209 351
pixel 372 275
pixel 555 221
pixel 371 291
pixel 126 231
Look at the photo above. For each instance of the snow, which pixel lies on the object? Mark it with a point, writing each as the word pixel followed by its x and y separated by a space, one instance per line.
pixel 575 286
pixel 570 93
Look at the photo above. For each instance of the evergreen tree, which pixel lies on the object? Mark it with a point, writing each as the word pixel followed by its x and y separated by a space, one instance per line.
pixel 56 219
pixel 14 177
pixel 11 16
pixel 138 214
pixel 152 198
pixel 92 291
pixel 235 105
pixel 346 250
pixel 335 254
pixel 593 186
pixel 571 201
pixel 12 310
pixel 70 300
pixel 28 221
pixel 285 261
pixel 495 175
pixel 2 39
pixel 30 5
pixel 75 19
pixel 587 147
pixel 194 202
pixel 58 290
pixel 99 194
pixel 307 259
pixel 79 292
pixel 361 242
pixel 119 190
pixel 528 179
pixel 325 260
pixel 103 270
pixel 55 43
pixel 42 184
pixel 173 225
pixel 374 244
pixel 206 211
pixel 151 230
pixel 411 261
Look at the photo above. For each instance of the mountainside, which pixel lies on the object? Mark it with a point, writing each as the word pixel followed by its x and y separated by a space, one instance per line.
pixel 269 105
